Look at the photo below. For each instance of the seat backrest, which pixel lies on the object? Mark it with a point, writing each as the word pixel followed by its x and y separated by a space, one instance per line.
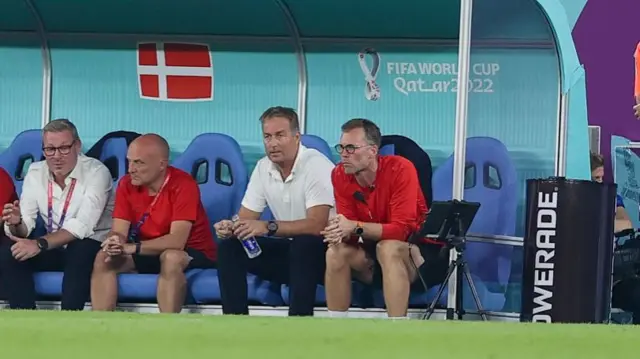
pixel 407 148
pixel 114 157
pixel 315 142
pixel 491 179
pixel 24 149
pixel 216 162
pixel 111 150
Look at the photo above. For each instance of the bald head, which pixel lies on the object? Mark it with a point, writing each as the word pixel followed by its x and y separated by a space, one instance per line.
pixel 148 157
pixel 152 143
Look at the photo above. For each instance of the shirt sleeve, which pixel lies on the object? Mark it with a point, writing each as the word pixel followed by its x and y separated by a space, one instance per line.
pixel 254 198
pixel 122 207
pixel 186 200
pixel 345 204
pixel 637 72
pixel 318 189
pixel 403 206
pixel 31 188
pixel 94 202
pixel 619 201
pixel 7 188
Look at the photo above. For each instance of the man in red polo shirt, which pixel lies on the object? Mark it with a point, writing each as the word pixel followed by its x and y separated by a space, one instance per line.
pixel 159 227
pixel 379 204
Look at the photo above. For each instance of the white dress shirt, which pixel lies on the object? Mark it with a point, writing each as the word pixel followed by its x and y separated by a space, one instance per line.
pixel 90 207
pixel 308 185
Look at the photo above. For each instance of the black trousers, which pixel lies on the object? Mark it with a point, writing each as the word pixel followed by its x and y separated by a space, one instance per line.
pixel 626 296
pixel 299 262
pixel 76 261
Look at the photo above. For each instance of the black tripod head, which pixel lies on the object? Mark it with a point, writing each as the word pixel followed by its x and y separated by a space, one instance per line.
pixel 448 222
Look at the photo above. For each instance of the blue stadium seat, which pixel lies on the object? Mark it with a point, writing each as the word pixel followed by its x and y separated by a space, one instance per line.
pixel 216 162
pixel 131 287
pixel 491 179
pixel 315 142
pixel 206 289
pixel 24 149
pixel 114 156
pixel 111 149
pixel 387 150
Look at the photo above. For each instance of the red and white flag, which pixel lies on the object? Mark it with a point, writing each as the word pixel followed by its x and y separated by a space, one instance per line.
pixel 175 71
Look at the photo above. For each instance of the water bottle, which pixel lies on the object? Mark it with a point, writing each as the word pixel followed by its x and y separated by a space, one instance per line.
pixel 250 244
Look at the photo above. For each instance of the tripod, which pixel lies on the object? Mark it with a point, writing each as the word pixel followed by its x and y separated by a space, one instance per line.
pixel 457 242
pixel 448 222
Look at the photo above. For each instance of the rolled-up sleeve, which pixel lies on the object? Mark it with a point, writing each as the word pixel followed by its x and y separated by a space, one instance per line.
pixel 254 198
pixel 94 201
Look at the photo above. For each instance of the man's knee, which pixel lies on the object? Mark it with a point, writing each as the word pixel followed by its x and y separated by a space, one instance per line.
pixel 306 246
pixel 337 257
pixel 172 261
pixel 103 263
pixel 388 251
pixel 6 257
pixel 227 247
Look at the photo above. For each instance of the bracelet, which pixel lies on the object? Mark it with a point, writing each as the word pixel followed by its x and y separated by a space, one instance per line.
pixel 138 247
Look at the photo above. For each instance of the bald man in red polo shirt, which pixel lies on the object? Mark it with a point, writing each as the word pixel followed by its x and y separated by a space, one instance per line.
pixel 159 227
pixel 380 205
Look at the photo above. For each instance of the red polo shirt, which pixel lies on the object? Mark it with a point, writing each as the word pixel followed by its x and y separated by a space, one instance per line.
pixel 395 200
pixel 178 201
pixel 7 188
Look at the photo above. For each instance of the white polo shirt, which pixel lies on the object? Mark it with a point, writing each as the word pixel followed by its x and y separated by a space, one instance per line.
pixel 90 206
pixel 308 185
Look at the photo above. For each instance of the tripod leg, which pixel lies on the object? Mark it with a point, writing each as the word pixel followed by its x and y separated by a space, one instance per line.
pixel 474 292
pixel 435 300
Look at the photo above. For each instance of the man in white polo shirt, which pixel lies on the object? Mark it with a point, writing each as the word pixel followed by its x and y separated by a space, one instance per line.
pixel 73 195
pixel 295 183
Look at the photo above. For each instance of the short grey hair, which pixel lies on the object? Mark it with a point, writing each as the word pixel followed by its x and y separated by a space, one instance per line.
pixel 61 125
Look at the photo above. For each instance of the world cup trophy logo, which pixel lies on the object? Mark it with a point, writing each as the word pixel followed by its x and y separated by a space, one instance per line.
pixel 371 88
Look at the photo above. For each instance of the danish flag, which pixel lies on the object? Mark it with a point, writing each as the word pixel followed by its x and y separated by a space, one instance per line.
pixel 175 71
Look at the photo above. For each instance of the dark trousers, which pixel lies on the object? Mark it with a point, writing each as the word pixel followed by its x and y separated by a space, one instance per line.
pixel 300 263
pixel 626 296
pixel 76 261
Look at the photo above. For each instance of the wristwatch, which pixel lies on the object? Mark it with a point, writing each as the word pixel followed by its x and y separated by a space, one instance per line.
pixel 42 243
pixel 359 229
pixel 272 227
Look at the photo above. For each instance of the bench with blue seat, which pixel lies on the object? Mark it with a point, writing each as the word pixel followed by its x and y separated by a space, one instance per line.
pixel 491 179
pixel 24 149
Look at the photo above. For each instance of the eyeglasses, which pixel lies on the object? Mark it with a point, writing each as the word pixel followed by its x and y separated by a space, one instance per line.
pixel 348 148
pixel 63 150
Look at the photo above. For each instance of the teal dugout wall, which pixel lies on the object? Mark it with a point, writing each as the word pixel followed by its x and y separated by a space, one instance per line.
pixel 80 60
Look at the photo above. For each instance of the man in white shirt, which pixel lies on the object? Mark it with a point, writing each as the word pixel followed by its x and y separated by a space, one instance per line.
pixel 295 183
pixel 73 195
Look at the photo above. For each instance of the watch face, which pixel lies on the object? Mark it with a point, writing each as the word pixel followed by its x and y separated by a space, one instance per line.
pixel 272 226
pixel 42 243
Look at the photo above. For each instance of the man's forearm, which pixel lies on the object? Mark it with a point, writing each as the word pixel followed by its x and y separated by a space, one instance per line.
pixel 305 226
pixel 371 231
pixel 19 230
pixel 158 245
pixel 59 238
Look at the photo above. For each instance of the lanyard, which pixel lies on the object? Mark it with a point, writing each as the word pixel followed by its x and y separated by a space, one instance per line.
pixel 136 229
pixel 67 201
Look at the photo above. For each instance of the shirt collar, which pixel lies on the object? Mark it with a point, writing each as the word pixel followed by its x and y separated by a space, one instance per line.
pixel 274 170
pixel 352 177
pixel 75 173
